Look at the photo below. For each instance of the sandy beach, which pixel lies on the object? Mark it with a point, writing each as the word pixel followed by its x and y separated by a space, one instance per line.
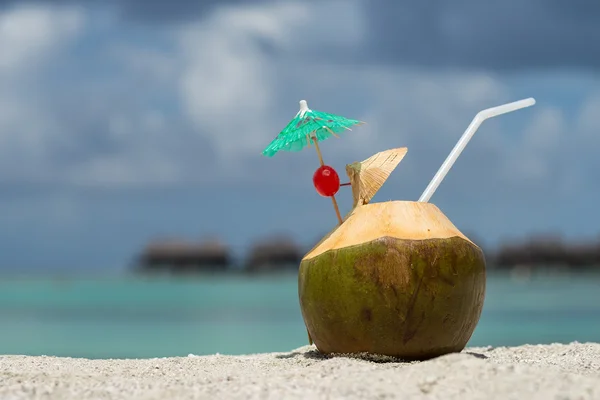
pixel 527 372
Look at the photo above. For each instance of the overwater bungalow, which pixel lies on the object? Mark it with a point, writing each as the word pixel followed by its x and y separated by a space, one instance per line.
pixel 178 256
pixel 548 251
pixel 275 254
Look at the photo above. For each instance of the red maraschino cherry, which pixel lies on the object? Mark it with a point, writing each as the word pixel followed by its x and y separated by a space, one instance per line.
pixel 326 181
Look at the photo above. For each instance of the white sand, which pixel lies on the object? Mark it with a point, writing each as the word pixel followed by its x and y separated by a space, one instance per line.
pixel 527 372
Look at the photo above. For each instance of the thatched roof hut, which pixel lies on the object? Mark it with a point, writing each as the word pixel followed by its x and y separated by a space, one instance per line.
pixel 274 254
pixel 549 251
pixel 179 256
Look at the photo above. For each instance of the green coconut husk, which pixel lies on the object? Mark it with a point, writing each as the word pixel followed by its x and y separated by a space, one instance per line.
pixel 395 279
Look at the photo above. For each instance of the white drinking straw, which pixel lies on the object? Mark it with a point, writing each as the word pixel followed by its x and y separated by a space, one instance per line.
pixel 464 139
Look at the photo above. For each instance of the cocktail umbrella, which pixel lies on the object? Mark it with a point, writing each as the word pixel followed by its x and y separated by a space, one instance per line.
pixel 311 126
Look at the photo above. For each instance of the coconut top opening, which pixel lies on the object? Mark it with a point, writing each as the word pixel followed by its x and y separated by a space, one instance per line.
pixel 409 220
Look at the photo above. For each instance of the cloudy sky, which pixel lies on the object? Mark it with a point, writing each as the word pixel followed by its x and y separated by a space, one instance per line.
pixel 122 121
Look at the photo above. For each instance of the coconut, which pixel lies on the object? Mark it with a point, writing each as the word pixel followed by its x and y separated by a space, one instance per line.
pixel 396 278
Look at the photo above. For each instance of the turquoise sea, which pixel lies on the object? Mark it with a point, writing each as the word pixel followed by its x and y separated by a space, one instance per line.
pixel 139 318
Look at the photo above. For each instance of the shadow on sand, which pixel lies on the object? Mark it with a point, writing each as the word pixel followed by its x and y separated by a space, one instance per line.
pixel 316 355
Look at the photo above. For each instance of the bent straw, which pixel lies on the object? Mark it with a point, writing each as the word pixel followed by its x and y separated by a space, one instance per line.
pixel 464 139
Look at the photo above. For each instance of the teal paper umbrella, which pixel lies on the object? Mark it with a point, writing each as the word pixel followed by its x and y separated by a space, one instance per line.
pixel 308 126
pixel 311 126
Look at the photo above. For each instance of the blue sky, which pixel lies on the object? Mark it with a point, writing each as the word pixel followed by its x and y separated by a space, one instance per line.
pixel 125 121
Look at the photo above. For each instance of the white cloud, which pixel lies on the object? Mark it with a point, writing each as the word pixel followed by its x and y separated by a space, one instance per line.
pixel 588 121
pixel 230 84
pixel 556 150
pixel 234 90
pixel 535 151
pixel 29 33
pixel 143 140
pixel 159 66
pixel 197 103
pixel 236 77
pixel 225 85
pixel 545 131
pixel 133 170
pixel 30 37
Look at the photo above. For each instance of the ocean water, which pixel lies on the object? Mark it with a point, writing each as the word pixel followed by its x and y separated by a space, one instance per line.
pixel 141 318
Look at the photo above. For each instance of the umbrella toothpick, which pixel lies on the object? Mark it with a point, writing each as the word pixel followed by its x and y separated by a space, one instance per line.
pixel 337 209
pixel 311 126
pixel 318 151
pixel 333 200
